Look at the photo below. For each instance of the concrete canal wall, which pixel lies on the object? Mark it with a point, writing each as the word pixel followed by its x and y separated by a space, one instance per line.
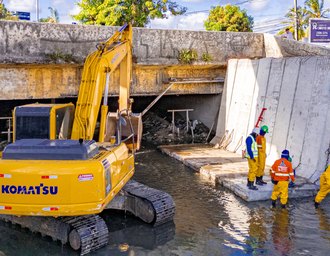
pixel 296 93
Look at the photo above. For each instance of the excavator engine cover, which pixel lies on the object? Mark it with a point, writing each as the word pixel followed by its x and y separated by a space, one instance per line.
pixel 44 149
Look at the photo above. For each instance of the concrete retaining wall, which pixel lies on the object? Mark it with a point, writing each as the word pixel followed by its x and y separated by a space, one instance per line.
pixel 296 93
pixel 27 42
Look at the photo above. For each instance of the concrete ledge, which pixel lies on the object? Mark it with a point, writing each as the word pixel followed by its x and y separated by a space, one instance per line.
pixel 230 170
pixel 239 188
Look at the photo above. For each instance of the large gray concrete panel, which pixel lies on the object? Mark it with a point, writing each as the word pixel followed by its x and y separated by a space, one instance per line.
pixel 286 99
pixel 240 107
pixel 299 117
pixel 271 102
pixel 226 100
pixel 317 117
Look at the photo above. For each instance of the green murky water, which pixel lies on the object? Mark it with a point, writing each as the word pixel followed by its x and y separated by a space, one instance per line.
pixel 209 221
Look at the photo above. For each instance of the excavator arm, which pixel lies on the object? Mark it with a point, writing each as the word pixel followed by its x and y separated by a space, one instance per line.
pixel 115 52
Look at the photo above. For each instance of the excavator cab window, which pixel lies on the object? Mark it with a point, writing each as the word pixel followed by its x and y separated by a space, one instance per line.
pixel 38 121
pixel 32 127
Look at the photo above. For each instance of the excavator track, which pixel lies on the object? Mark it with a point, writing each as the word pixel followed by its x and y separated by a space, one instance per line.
pixel 160 202
pixel 89 233
pixel 84 233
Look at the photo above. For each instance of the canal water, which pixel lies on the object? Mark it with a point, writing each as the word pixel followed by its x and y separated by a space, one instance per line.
pixel 209 220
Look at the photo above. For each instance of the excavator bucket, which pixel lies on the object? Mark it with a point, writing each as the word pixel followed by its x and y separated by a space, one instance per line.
pixel 129 127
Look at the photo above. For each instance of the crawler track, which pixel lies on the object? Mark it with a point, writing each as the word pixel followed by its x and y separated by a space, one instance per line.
pixel 84 233
pixel 160 203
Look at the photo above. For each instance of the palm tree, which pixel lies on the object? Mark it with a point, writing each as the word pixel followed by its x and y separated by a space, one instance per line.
pixel 301 20
pixel 315 9
pixel 54 16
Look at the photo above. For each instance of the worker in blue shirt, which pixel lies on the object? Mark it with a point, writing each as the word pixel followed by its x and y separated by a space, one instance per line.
pixel 252 157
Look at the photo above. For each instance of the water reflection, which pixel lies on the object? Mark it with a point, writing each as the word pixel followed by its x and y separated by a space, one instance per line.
pixel 280 232
pixel 257 232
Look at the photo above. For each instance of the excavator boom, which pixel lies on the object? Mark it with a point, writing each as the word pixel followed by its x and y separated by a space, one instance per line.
pixel 115 52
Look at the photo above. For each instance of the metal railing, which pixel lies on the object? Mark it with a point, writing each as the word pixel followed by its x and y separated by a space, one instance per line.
pixel 9 125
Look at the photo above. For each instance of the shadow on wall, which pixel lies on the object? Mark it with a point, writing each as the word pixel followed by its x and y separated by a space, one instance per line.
pixel 296 93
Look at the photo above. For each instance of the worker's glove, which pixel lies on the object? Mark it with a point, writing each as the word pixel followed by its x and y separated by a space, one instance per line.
pixel 274 182
pixel 292 184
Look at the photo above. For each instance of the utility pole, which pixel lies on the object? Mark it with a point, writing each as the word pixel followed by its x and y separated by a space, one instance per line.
pixel 37 10
pixel 295 21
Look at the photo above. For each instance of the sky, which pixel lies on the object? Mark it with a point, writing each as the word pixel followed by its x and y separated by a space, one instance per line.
pixel 267 14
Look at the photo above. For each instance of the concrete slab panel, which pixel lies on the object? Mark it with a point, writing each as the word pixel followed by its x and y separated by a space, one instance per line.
pixel 261 84
pixel 241 102
pixel 271 103
pixel 284 109
pixel 299 117
pixel 317 118
pixel 239 188
pixel 226 99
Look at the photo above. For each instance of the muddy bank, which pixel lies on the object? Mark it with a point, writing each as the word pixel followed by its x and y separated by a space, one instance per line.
pixel 157 130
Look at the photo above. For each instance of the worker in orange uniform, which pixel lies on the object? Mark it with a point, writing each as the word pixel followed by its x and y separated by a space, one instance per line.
pixel 252 156
pixel 261 142
pixel 324 187
pixel 280 173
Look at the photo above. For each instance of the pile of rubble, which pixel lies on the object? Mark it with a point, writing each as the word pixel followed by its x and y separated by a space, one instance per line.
pixel 158 130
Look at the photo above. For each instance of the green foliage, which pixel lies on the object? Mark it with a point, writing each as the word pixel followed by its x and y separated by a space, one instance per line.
pixel 187 56
pixel 5 14
pixel 315 9
pixel 228 18
pixel 312 9
pixel 206 57
pixel 119 12
pixel 61 57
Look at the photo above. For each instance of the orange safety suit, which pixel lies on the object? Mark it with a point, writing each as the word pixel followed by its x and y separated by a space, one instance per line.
pixel 281 172
pixel 261 142
pixel 324 185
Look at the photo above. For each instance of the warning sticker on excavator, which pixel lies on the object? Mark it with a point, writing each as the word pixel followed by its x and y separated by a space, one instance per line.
pixel 85 177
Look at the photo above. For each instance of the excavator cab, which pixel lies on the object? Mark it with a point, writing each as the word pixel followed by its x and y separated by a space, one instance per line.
pixel 43 121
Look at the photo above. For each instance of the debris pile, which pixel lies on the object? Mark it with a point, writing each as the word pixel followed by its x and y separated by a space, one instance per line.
pixel 158 130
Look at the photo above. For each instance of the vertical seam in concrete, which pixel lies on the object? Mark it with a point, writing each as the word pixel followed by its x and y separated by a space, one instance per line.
pixel 271 142
pixel 232 92
pixel 292 106
pixel 270 68
pixel 252 99
pixel 303 144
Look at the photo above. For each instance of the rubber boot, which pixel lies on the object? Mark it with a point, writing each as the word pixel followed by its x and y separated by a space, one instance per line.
pixel 251 186
pixel 262 181
pixel 273 203
pixel 283 206
pixel 258 181
pixel 316 205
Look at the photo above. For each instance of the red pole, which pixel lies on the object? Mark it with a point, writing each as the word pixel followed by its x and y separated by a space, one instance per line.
pixel 260 117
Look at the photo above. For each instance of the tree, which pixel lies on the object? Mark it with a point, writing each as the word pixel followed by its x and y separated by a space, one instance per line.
pixel 315 9
pixel 118 12
pixel 53 18
pixel 228 18
pixel 5 14
pixel 301 22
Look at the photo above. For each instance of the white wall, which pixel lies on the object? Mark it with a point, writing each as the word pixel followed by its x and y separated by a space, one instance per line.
pixel 296 93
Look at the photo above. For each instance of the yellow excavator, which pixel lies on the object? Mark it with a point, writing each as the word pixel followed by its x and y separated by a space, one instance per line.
pixel 55 179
